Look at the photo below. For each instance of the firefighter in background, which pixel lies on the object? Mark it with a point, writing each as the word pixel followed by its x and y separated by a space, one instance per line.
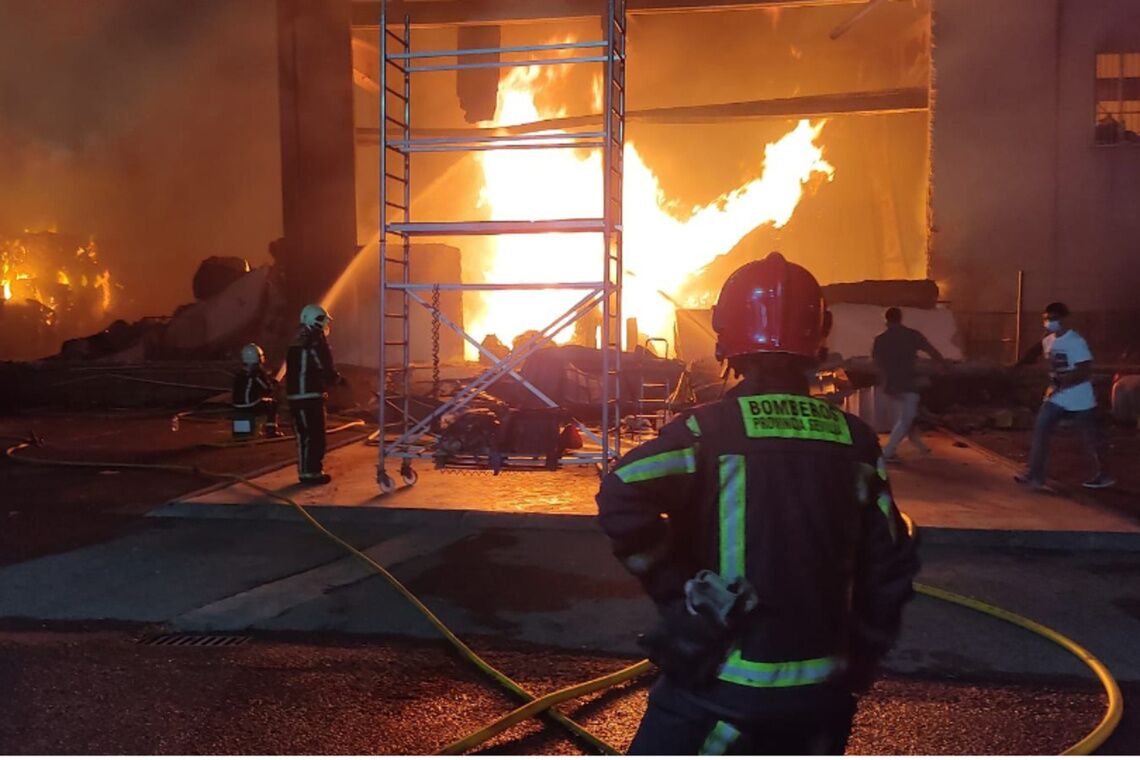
pixel 764 529
pixel 255 391
pixel 309 372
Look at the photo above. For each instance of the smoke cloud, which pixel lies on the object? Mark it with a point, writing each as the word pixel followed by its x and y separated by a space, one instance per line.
pixel 151 125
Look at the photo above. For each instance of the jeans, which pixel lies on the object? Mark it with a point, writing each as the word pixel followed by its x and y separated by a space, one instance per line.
pixel 905 407
pixel 1049 416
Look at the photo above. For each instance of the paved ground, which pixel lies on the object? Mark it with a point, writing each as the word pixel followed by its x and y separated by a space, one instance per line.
pixel 1069 465
pixel 541 590
pixel 48 510
pixel 101 693
pixel 958 487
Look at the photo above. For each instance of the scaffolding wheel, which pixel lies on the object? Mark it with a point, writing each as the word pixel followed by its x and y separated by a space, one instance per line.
pixel 387 485
pixel 409 475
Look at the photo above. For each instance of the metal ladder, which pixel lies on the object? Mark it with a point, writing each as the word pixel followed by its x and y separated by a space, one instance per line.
pixel 653 397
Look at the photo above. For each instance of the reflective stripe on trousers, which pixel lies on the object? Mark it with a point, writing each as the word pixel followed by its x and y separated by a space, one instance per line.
pixel 720 739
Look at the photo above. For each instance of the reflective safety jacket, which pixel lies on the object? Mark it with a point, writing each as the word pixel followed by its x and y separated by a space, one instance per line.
pixel 309 369
pixel 251 386
pixel 791 493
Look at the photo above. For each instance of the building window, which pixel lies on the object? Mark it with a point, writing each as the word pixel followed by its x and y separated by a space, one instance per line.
pixel 1117 98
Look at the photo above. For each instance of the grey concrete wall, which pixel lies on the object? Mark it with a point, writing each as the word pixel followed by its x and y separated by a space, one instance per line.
pixel 1017 182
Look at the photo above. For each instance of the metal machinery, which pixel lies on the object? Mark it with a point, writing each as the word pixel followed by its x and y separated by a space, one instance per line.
pixel 398 64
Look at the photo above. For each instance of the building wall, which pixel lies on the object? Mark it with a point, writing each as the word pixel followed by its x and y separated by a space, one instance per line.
pixel 1017 182
pixel 1098 197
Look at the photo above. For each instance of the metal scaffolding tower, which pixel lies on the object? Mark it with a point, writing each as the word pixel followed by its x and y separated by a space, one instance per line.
pixel 399 62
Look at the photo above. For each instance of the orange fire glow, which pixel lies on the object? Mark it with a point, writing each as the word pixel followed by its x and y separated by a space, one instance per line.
pixel 660 250
pixel 36 268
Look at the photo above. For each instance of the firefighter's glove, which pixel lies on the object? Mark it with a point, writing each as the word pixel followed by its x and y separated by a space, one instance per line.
pixel 688 647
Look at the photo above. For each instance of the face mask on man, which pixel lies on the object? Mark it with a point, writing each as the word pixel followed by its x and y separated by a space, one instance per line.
pixel 1053 325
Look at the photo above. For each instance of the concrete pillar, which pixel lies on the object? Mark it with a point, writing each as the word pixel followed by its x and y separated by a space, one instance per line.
pixel 317 145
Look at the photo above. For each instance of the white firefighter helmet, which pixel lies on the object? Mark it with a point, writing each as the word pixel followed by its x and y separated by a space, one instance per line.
pixel 314 316
pixel 252 355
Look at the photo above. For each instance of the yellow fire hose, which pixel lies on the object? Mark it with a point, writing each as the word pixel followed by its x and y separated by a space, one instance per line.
pixel 501 678
pixel 547 704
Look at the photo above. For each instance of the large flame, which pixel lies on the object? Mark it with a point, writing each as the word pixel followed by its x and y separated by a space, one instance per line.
pixel 660 250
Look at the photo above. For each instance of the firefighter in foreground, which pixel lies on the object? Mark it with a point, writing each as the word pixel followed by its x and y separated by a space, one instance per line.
pixel 255 391
pixel 309 373
pixel 763 528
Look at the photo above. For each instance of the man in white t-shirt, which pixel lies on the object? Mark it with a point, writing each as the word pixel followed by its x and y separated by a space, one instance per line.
pixel 1070 396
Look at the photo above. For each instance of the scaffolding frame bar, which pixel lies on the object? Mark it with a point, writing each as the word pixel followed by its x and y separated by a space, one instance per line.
pixel 497 227
pixel 508 64
pixel 473 148
pixel 597 44
pixel 397 228
pixel 509 139
pixel 478 286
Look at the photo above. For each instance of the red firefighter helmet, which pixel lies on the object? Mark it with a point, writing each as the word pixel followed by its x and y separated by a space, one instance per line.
pixel 769 306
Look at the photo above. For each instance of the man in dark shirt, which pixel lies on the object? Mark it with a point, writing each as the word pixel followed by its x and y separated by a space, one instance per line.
pixel 895 351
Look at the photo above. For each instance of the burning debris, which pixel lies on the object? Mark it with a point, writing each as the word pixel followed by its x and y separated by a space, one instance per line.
pixel 52 287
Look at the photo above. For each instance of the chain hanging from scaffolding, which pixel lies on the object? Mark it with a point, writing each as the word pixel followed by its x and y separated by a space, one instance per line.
pixel 435 341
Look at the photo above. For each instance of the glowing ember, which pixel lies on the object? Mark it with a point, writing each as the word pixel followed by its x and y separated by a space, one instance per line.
pixel 43 267
pixel 661 251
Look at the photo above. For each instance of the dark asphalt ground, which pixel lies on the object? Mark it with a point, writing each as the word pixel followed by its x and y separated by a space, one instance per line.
pixel 102 693
pixel 47 510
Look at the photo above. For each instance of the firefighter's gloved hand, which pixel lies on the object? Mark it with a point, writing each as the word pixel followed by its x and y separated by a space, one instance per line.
pixel 687 647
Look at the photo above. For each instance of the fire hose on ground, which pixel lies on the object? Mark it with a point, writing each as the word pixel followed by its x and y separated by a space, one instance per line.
pixel 547 705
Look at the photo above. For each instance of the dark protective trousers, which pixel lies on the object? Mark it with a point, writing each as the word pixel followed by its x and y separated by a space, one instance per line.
pixel 674 727
pixel 309 426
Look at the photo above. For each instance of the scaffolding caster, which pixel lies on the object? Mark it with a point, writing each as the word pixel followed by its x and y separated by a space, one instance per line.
pixel 408 474
pixel 384 480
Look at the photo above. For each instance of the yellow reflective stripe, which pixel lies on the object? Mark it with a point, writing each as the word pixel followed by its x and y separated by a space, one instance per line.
pixel 719 739
pixel 679 462
pixel 731 505
pixel 783 415
pixel 881 469
pixel 768 675
pixel 884 503
pixel 694 426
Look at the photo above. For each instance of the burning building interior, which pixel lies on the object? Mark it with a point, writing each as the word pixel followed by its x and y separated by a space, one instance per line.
pixel 566 321
pixel 871 143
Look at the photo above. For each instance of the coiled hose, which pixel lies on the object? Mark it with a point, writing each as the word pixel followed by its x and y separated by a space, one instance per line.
pixel 548 703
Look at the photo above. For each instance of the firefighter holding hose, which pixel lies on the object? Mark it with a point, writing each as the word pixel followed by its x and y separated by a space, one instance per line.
pixel 764 529
pixel 255 391
pixel 309 373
